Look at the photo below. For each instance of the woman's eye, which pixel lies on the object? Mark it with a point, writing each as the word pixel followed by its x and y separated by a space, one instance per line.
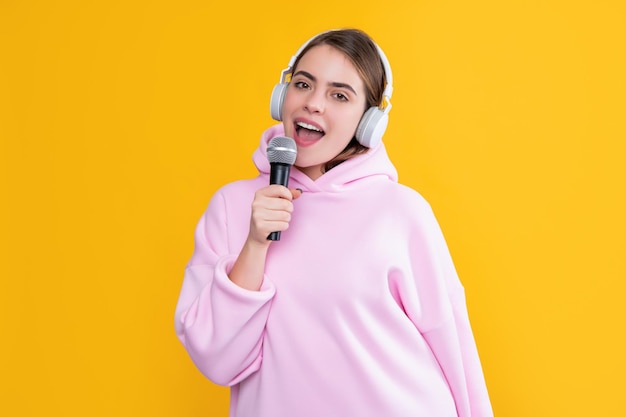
pixel 301 84
pixel 341 97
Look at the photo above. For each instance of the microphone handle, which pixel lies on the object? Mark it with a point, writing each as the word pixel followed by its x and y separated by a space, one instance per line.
pixel 279 174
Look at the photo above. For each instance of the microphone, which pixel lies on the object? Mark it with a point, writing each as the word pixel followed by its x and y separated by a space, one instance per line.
pixel 281 153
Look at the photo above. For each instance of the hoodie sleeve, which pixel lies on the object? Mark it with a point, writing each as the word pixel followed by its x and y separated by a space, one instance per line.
pixel 443 320
pixel 220 324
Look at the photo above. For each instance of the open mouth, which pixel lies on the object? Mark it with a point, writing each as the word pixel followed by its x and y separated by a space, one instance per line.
pixel 308 132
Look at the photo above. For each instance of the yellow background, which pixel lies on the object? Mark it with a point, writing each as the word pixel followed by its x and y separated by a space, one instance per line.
pixel 119 119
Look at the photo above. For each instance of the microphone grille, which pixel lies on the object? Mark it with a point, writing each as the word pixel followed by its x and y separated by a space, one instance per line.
pixel 282 150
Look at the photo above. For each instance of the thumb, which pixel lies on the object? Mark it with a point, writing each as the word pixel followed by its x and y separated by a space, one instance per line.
pixel 295 192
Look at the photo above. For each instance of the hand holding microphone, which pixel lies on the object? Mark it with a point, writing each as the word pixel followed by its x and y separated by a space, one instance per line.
pixel 271 212
pixel 272 206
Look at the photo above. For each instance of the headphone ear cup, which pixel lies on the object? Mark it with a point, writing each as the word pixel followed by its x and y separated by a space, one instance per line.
pixel 372 127
pixel 277 100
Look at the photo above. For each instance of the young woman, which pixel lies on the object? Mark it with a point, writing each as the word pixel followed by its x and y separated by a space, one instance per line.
pixel 357 310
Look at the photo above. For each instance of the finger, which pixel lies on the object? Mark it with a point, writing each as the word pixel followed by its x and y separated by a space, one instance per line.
pixel 295 192
pixel 277 190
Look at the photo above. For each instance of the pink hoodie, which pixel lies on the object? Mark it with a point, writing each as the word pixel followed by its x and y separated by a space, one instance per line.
pixel 361 312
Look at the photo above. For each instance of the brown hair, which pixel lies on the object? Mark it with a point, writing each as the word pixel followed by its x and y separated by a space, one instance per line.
pixel 361 50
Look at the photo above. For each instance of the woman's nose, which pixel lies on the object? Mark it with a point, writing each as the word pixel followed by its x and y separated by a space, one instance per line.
pixel 315 102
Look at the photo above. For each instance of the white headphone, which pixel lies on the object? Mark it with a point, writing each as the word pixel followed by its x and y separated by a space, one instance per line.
pixel 374 121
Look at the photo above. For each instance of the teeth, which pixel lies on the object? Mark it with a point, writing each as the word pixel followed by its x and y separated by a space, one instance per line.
pixel 308 126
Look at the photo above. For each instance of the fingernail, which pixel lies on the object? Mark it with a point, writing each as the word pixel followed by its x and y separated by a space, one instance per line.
pixel 300 189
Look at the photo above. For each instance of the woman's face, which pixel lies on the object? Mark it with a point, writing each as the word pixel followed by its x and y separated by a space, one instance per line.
pixel 323 106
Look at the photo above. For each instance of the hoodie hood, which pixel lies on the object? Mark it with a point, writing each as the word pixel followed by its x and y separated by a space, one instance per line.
pixel 374 164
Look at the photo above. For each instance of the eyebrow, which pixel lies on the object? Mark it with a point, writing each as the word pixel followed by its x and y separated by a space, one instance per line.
pixel 333 84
